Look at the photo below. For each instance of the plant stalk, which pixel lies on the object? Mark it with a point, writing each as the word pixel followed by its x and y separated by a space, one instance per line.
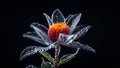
pixel 57 50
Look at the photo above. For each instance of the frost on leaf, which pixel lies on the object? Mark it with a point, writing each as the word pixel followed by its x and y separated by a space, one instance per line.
pixel 29 51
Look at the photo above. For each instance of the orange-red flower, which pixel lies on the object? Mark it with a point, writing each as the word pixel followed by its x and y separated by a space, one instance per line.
pixel 56 29
pixel 61 30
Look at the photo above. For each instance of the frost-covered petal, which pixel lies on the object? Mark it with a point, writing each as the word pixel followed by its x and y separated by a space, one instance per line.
pixel 79 45
pixel 74 20
pixel 31 66
pixel 50 22
pixel 40 26
pixel 68 18
pixel 41 33
pixel 57 16
pixel 82 31
pixel 63 38
pixel 35 37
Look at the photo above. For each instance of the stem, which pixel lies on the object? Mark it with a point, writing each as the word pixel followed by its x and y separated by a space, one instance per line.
pixel 57 49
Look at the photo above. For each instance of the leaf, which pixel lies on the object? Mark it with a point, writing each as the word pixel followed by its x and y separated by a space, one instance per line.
pixel 31 66
pixel 46 64
pixel 67 57
pixel 30 51
pixel 47 56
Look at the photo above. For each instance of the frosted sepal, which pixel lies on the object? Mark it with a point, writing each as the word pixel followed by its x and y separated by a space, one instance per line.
pixel 34 36
pixel 41 33
pixel 67 57
pixel 81 46
pixel 57 16
pixel 31 66
pixel 74 20
pixel 50 22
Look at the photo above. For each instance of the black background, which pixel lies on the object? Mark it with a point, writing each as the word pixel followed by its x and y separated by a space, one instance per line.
pixel 18 15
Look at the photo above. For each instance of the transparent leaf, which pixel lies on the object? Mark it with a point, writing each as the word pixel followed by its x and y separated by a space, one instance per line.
pixel 46 64
pixel 50 22
pixel 74 21
pixel 68 18
pixel 41 33
pixel 79 45
pixel 28 51
pixel 67 57
pixel 57 16
pixel 34 36
pixel 32 50
pixel 82 32
pixel 47 56
pixel 31 66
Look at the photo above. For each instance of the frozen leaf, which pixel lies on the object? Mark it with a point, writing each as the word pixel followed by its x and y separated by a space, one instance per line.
pixel 57 16
pixel 50 22
pixel 79 45
pixel 74 21
pixel 46 64
pixel 47 56
pixel 41 33
pixel 34 36
pixel 30 51
pixel 31 66
pixel 67 57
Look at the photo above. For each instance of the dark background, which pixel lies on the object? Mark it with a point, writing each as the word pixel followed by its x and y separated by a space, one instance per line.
pixel 16 17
